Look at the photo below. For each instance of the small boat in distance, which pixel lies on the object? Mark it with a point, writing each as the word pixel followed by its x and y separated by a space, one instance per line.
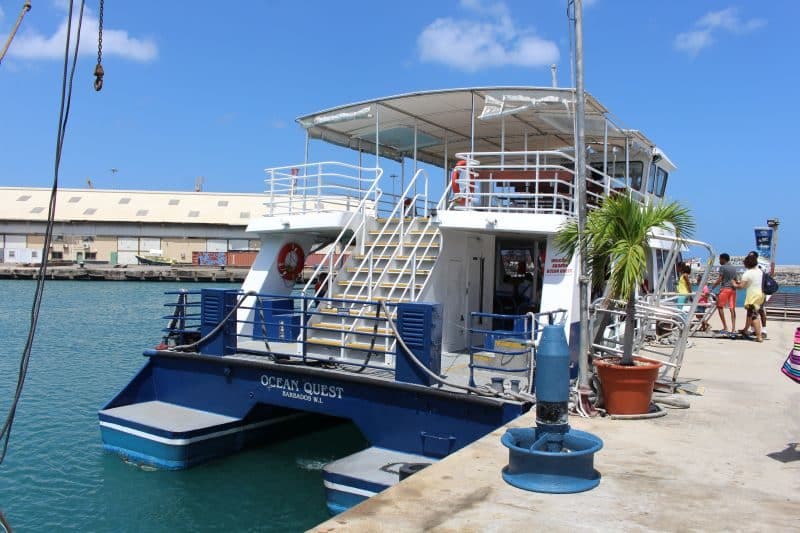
pixel 155 257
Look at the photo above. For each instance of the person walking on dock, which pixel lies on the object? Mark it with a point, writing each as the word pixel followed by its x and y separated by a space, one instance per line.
pixel 727 292
pixel 754 299
pixel 762 313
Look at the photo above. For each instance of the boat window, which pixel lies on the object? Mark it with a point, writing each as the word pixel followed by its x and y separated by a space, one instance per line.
pixel 660 182
pixel 617 170
pixel 651 178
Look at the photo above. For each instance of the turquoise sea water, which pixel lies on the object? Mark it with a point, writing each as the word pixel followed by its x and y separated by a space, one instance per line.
pixel 57 476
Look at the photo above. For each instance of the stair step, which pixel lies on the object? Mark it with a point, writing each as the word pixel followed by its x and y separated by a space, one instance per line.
pixel 395 220
pixel 363 298
pixel 387 244
pixel 366 346
pixel 420 272
pixel 324 342
pixel 399 257
pixel 383 285
pixel 338 344
pixel 331 326
pixel 379 331
pixel 351 312
pixel 412 232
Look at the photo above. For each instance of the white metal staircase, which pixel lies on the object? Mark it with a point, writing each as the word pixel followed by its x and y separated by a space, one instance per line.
pixel 393 264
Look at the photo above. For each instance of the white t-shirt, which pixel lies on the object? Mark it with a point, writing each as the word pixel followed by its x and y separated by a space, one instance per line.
pixel 754 277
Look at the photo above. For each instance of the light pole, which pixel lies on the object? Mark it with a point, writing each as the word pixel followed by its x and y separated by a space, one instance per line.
pixel 773 223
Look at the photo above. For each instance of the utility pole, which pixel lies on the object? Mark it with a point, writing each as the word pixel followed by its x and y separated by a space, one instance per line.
pixel 580 180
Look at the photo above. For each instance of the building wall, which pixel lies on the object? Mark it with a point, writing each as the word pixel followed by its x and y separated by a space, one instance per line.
pixel 181 249
pixel 82 241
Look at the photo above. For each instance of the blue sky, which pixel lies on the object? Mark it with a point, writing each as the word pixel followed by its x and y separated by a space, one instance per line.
pixel 213 88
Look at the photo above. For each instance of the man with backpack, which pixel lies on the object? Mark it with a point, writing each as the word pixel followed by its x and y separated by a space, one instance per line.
pixel 768 287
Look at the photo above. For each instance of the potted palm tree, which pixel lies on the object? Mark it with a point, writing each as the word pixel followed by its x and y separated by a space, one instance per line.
pixel 614 244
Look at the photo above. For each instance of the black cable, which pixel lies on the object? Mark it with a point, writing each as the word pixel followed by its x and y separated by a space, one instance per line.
pixel 63 116
pixel 66 99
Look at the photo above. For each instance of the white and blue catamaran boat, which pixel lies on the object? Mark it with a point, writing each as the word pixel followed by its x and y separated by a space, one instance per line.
pixel 418 323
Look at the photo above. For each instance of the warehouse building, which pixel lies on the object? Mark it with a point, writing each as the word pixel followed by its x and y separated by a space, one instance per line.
pixel 115 226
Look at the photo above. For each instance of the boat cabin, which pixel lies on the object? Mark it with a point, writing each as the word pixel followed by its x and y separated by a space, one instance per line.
pixel 452 197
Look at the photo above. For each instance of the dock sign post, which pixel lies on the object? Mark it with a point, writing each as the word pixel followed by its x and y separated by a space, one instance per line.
pixel 764 242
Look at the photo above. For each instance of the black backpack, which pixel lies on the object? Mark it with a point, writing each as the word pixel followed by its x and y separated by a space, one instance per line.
pixel 768 284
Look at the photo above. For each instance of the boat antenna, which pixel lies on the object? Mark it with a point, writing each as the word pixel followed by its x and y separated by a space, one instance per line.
pixel 25 8
pixel 580 180
pixel 66 100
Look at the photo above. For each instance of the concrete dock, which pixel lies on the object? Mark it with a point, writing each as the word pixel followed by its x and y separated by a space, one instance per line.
pixel 102 272
pixel 729 462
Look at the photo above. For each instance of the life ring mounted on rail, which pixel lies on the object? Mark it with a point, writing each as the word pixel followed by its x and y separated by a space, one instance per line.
pixel 454 182
pixel 291 259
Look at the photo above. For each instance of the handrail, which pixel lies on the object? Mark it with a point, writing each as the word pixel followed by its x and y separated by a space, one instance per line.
pixel 292 187
pixel 400 229
pixel 558 196
pixel 380 244
pixel 664 307
pixel 328 260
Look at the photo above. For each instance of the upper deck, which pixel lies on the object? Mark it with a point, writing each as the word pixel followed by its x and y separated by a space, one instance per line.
pixel 499 149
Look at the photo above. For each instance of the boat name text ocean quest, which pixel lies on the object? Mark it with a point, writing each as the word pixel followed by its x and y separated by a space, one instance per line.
pixel 301 390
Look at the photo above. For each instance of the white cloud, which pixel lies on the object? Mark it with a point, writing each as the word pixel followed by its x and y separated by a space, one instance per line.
pixel 489 40
pixel 713 22
pixel 34 45
pixel 1 13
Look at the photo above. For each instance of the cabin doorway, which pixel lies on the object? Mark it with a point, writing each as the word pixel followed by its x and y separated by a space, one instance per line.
pixel 518 271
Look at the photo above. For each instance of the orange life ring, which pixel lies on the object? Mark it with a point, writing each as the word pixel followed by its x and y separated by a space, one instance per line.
pixel 454 182
pixel 290 260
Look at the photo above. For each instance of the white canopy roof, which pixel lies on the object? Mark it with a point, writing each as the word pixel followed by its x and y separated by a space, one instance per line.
pixel 504 116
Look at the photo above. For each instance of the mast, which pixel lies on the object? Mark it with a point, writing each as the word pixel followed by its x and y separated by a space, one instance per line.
pixel 580 179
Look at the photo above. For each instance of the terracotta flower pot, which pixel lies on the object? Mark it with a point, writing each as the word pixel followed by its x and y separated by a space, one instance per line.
pixel 627 390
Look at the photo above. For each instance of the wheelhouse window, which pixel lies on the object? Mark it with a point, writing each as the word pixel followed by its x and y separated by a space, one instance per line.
pixel 660 185
pixel 617 171
pixel 651 179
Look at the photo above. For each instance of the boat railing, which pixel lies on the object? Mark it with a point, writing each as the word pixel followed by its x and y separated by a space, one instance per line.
pixel 328 186
pixel 278 327
pixel 184 321
pixel 663 318
pixel 536 182
pixel 506 343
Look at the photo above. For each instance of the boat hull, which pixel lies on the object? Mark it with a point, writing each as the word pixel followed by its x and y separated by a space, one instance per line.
pixel 235 402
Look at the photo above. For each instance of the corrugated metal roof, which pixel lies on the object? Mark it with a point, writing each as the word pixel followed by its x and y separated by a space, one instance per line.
pixel 99 205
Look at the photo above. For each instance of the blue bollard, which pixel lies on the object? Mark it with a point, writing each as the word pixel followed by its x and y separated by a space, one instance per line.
pixel 551 457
